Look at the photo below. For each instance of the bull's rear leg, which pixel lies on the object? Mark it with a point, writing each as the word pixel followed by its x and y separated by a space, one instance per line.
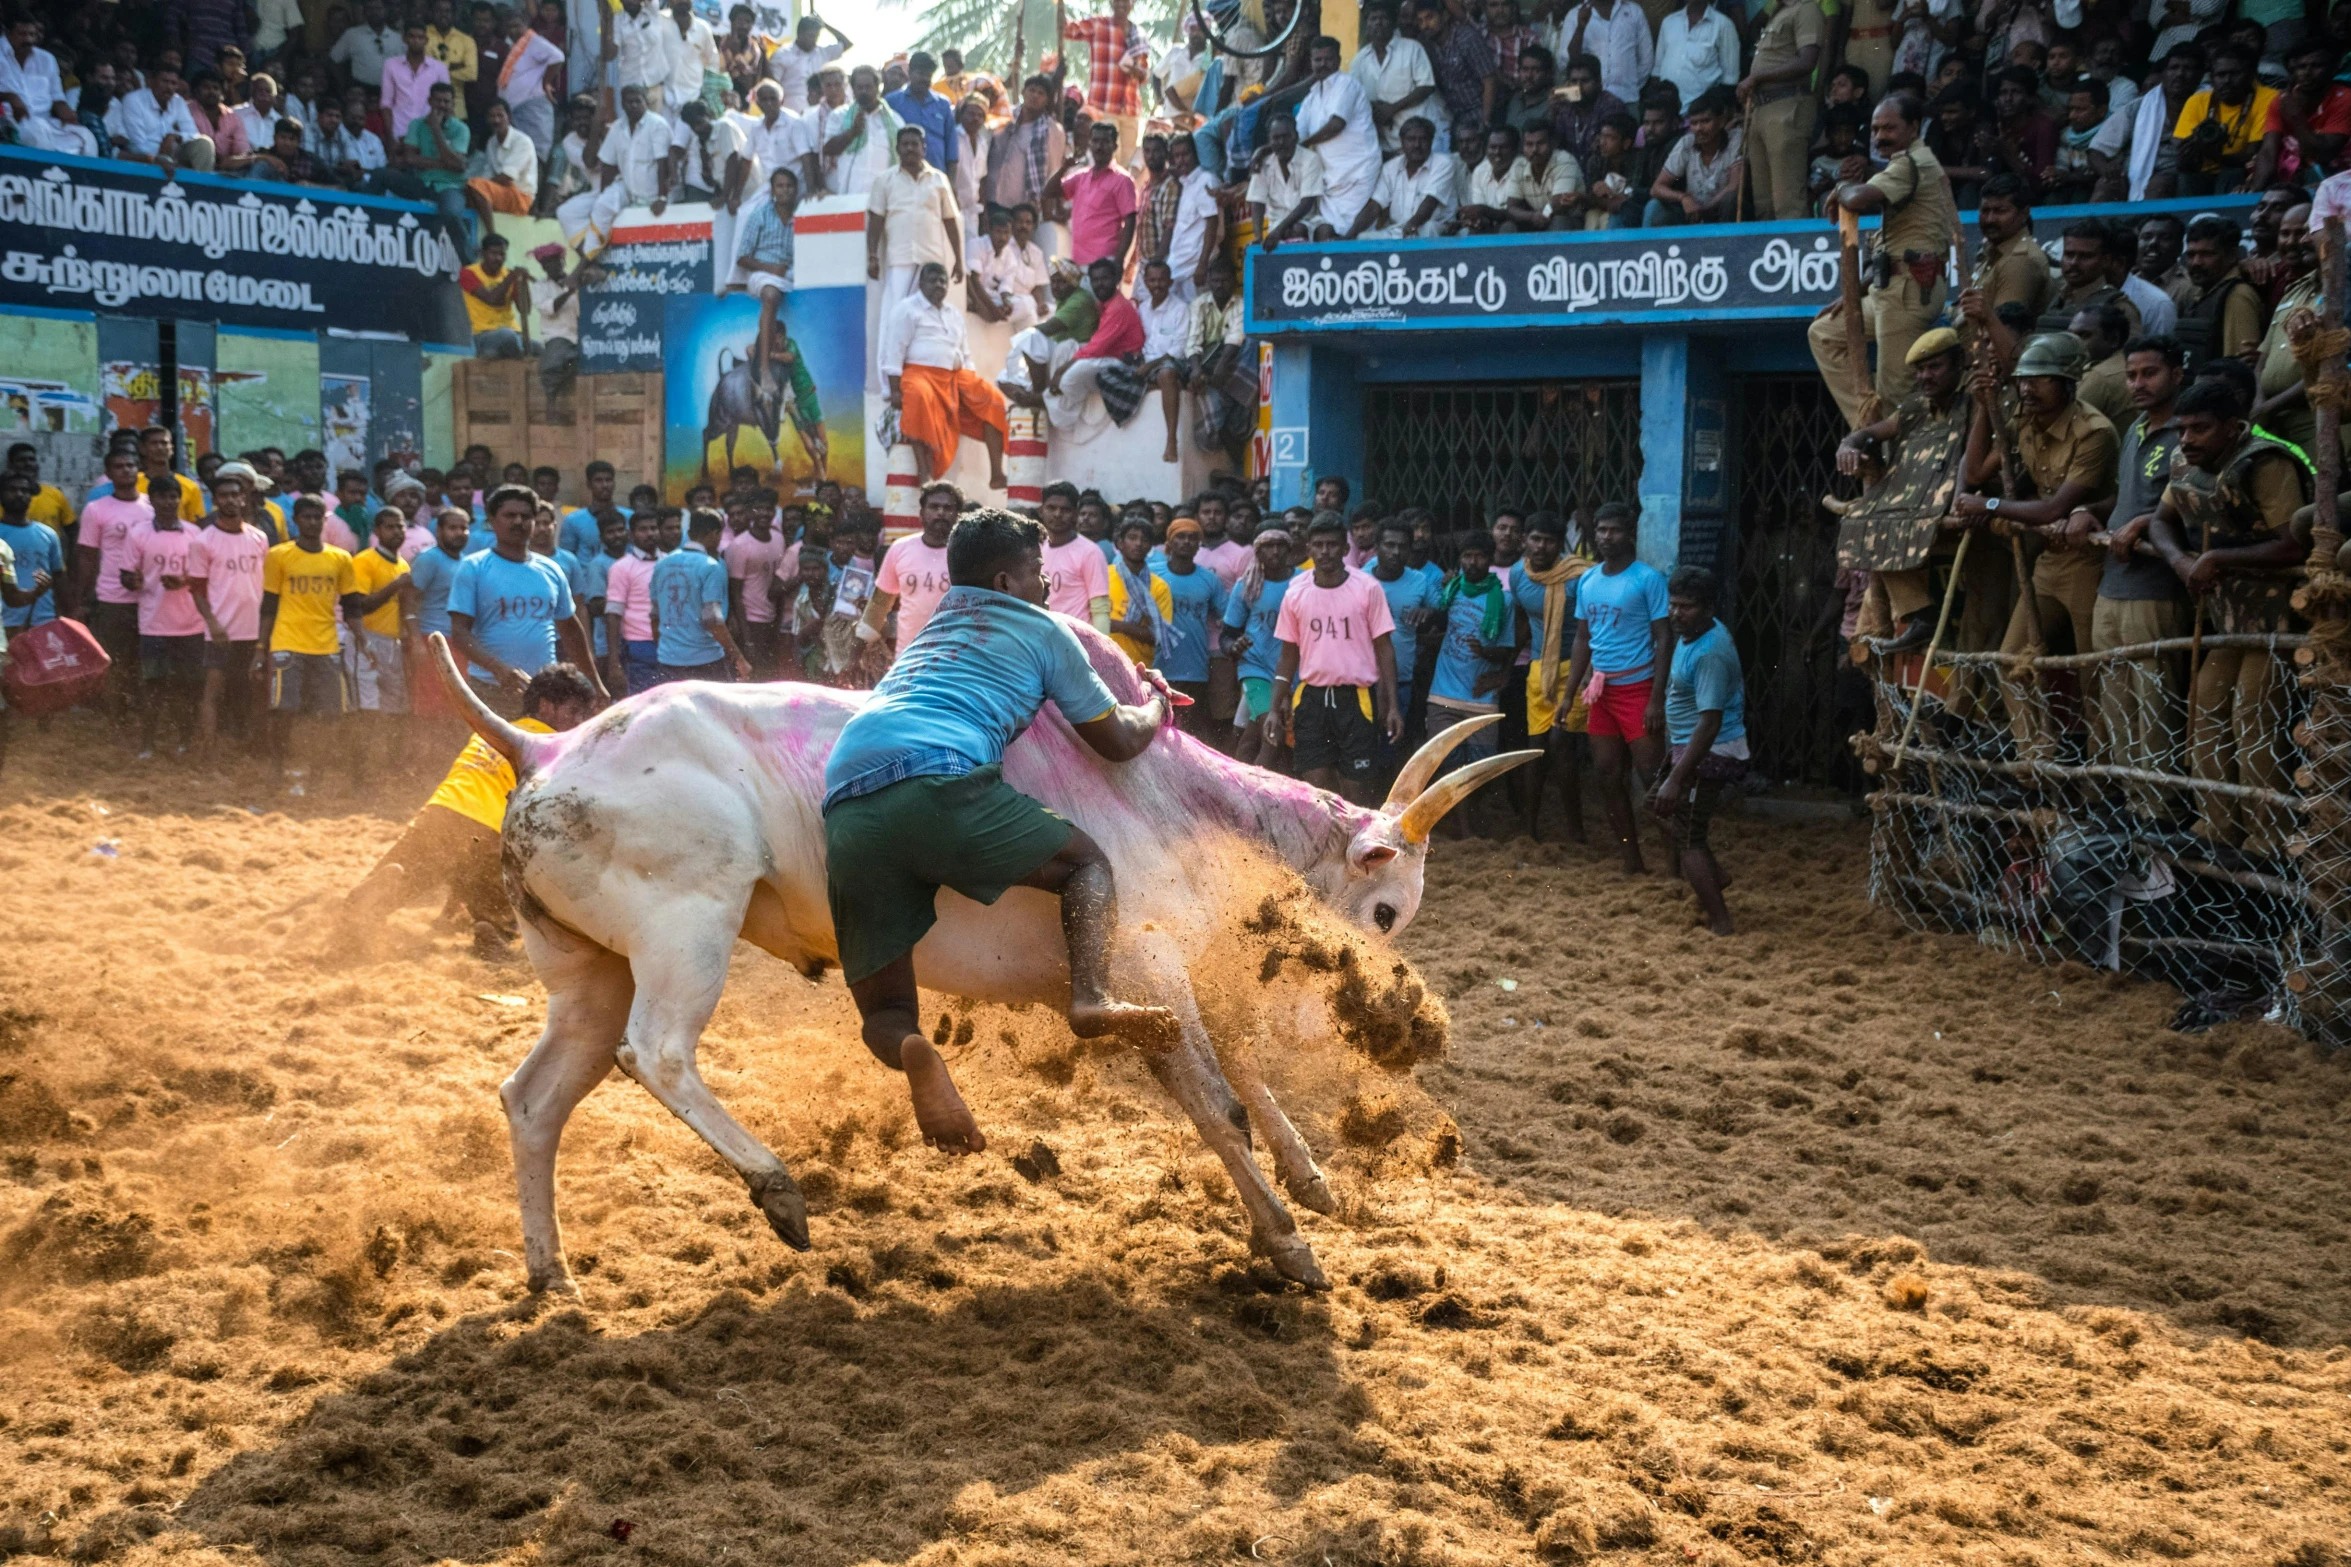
pixel 680 966
pixel 588 993
pixel 1292 1159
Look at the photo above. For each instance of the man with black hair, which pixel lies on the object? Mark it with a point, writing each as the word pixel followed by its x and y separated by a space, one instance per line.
pixel 2102 329
pixel 1706 727
pixel 2221 313
pixel 2157 314
pixel 1337 637
pixel 511 612
pixel 1543 589
pixel 2011 267
pixel 2134 723
pixel 1622 632
pixel 2226 528
pixel 2219 132
pixel 2083 282
pixel 452 843
pixel 915 800
pixel 689 588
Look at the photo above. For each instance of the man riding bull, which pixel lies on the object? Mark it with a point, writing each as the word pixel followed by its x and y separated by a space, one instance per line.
pixel 915 800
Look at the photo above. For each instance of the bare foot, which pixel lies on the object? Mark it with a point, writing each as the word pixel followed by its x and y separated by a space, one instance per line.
pixel 1170 454
pixel 938 1109
pixel 1146 1028
pixel 997 481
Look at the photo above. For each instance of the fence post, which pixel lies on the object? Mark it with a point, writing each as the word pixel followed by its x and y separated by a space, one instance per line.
pixel 2323 983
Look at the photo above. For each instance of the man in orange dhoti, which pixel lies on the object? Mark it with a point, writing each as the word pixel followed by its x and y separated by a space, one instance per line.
pixel 938 397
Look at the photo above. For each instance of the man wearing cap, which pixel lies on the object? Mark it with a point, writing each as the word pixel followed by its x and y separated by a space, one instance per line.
pixel 1913 199
pixel 2068 452
pixel 555 318
pixel 1904 519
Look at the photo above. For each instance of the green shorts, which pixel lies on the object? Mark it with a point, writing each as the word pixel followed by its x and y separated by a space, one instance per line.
pixel 1256 701
pixel 888 853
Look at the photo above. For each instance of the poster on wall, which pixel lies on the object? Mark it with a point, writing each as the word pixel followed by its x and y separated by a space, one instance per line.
pixel 621 311
pixel 344 408
pixel 266 391
pixel 806 423
pixel 50 383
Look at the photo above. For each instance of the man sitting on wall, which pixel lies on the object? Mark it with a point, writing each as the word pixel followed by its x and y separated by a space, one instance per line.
pixel 938 397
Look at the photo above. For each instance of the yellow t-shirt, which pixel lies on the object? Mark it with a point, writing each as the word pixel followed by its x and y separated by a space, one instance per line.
pixel 279 530
pixel 480 780
pixel 2243 124
pixel 310 586
pixel 370 570
pixel 1118 612
pixel 49 506
pixel 191 497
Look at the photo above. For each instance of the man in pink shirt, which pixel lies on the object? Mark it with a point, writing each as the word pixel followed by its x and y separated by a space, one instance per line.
pixel 224 579
pixel 628 609
pixel 913 576
pixel 171 632
pixel 100 558
pixel 1335 631
pixel 1118 333
pixel 754 553
pixel 408 84
pixel 1077 578
pixel 1101 201
pixel 1219 551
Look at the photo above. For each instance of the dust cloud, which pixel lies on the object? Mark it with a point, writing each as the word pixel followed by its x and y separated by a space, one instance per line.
pixel 1824 1243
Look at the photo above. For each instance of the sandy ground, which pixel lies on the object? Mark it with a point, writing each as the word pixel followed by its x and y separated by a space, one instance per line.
pixel 1824 1243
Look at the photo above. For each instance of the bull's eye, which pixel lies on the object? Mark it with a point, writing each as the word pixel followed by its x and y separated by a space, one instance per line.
pixel 1384 916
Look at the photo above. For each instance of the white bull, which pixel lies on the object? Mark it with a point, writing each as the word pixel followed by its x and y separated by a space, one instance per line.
pixel 640 845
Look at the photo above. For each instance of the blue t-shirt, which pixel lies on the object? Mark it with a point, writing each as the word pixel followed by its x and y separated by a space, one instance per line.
pixel 514 604
pixel 1199 604
pixel 1704 677
pixel 573 572
pixel 595 571
pixel 1434 572
pixel 433 572
pixel 1458 664
pixel 960 691
pixel 481 536
pixel 579 534
pixel 37 549
pixel 683 581
pixel 1264 647
pixel 936 115
pixel 1620 609
pixel 1410 591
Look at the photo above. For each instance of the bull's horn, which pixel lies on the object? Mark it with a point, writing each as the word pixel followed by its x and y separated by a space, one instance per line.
pixel 1431 756
pixel 1420 818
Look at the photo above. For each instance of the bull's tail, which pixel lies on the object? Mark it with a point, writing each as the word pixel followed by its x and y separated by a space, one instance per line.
pixel 519 746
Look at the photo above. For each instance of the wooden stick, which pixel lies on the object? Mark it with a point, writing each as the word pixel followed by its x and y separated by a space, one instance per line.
pixel 2325 527
pixel 1943 619
pixel 1886 798
pixel 1849 292
pixel 2086 771
pixel 2276 642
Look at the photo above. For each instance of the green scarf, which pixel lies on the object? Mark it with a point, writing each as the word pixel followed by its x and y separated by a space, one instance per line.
pixel 1492 600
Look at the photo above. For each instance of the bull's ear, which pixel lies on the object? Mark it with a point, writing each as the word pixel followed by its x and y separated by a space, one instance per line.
pixel 1375 855
pixel 1374 846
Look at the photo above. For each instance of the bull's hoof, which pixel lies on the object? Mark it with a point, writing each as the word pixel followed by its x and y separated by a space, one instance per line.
pixel 778 1196
pixel 1293 1259
pixel 557 1286
pixel 1312 1194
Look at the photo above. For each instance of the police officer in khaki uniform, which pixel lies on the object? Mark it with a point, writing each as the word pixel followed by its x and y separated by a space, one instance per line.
pixel 1869 42
pixel 2067 451
pixel 1913 199
pixel 1901 522
pixel 1780 105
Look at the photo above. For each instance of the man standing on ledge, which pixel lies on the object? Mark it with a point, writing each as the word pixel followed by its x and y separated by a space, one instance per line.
pixel 1914 241
pixel 915 800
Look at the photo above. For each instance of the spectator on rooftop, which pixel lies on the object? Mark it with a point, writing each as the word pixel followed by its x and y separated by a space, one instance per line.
pixel 1393 72
pixel 1463 64
pixel 1578 110
pixel 1616 34
pixel 1700 180
pixel 1697 48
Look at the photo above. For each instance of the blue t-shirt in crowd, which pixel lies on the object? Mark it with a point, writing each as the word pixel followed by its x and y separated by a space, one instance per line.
pixel 514 604
pixel 433 572
pixel 578 532
pixel 683 581
pixel 970 681
pixel 1620 609
pixel 1257 663
pixel 1199 603
pixel 37 549
pixel 573 572
pixel 595 571
pixel 1458 664
pixel 481 536
pixel 936 115
pixel 1704 677
pixel 1410 591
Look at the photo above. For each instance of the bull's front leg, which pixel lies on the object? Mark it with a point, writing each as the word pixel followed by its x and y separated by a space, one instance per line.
pixel 1292 1159
pixel 1189 1072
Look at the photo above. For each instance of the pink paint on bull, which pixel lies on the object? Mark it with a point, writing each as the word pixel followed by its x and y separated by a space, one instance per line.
pixel 642 845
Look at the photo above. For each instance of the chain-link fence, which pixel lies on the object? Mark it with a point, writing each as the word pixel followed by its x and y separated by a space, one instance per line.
pixel 2150 808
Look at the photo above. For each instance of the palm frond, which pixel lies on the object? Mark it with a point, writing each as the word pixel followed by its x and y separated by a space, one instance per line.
pixel 984 29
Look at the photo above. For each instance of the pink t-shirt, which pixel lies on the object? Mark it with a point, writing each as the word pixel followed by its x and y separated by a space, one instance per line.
pixel 754 564
pixel 106 525
pixel 1228 560
pixel 415 541
pixel 157 554
pixel 1075 576
pixel 229 566
pixel 337 534
pixel 1099 201
pixel 1333 629
pixel 628 593
pixel 917 574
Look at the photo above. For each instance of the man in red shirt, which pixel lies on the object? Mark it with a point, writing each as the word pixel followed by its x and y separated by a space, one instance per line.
pixel 1117 334
pixel 1116 60
pixel 2309 122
